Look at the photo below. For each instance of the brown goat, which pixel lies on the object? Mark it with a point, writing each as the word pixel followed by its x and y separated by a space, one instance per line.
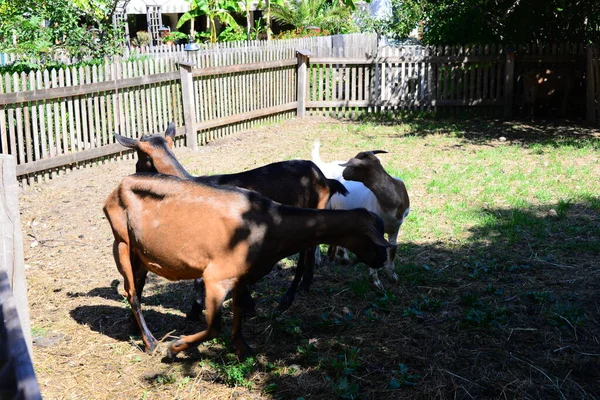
pixel 181 229
pixel 298 183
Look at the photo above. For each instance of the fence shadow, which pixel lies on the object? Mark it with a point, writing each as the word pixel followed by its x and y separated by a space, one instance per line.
pixel 482 131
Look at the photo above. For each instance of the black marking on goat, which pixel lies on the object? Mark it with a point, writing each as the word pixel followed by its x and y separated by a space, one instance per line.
pixel 144 194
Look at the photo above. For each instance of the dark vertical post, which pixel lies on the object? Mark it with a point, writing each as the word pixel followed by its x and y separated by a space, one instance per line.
pixel 590 90
pixel 509 79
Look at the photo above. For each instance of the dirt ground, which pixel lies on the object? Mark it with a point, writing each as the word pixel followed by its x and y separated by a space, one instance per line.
pixel 84 349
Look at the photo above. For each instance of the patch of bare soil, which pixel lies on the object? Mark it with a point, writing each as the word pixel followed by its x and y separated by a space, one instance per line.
pixel 340 339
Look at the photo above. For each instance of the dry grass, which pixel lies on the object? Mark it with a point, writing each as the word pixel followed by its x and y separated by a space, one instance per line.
pixel 498 295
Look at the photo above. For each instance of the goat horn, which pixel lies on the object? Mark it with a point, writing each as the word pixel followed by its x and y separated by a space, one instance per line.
pixel 378 151
pixel 127 142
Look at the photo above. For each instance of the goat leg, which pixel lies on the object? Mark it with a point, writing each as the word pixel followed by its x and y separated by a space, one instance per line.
pixel 389 265
pixel 139 275
pixel 309 268
pixel 122 258
pixel 215 295
pixel 198 304
pixel 301 271
pixel 240 296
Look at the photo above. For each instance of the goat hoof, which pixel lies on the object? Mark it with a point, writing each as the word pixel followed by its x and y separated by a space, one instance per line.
pixel 378 285
pixel 394 277
pixel 245 353
pixel 175 347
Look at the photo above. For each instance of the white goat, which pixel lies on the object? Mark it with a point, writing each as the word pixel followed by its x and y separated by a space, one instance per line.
pixel 369 187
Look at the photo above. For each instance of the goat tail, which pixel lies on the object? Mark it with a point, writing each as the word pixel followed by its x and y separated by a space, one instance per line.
pixel 315 155
pixel 336 187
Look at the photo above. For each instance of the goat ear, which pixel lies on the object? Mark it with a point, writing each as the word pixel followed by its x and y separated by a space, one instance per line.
pixel 127 142
pixel 378 151
pixel 353 162
pixel 170 134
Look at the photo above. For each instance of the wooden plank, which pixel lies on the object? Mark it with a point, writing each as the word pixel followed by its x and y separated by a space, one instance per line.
pixel 442 103
pixel 78 132
pixel 400 59
pixel 590 83
pixel 34 121
pixel 257 66
pixel 70 159
pixel 509 84
pixel 27 122
pixel 155 126
pixel 42 121
pixel 63 113
pixel 14 312
pixel 302 83
pixel 3 128
pixel 19 125
pixel 85 134
pixel 245 116
pixel 104 114
pixel 69 101
pixel 188 106
pixel 80 90
pixel 96 104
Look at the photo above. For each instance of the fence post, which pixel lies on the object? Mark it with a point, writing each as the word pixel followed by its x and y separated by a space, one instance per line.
pixel 590 90
pixel 509 85
pixel 15 331
pixel 189 115
pixel 302 83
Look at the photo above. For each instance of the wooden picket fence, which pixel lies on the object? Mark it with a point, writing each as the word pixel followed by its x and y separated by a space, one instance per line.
pixel 432 78
pixel 52 122
pixel 49 120
pixel 319 46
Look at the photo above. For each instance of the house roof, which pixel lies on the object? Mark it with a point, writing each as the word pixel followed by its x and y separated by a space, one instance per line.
pixel 166 6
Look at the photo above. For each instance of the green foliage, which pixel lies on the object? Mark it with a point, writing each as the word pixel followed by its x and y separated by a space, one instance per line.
pixel 360 287
pixel 231 34
pixel 173 36
pixel 234 373
pixel 215 10
pixel 451 22
pixel 402 378
pixel 406 15
pixel 420 304
pixel 49 28
pixel 166 379
pixel 485 317
pixel 567 315
pixel 507 21
pixel 339 370
pixel 327 16
pixel 540 297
